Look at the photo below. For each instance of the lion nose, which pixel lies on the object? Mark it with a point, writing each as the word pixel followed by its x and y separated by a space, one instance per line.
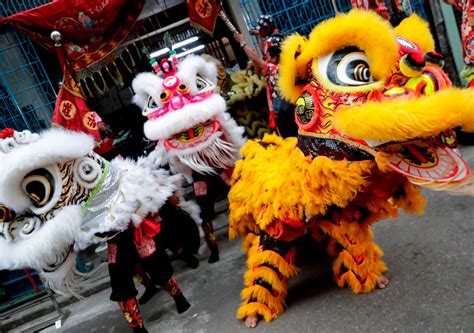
pixel 6 215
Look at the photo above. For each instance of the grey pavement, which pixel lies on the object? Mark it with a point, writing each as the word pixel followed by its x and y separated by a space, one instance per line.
pixel 431 272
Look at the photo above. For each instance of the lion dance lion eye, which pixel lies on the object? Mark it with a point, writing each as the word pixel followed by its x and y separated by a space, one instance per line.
pixel 151 103
pixel 38 185
pixel 164 96
pixel 346 67
pixel 183 88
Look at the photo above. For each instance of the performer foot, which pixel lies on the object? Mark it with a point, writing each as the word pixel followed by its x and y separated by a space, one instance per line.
pixel 150 291
pixel 182 303
pixel 382 282
pixel 252 321
pixel 214 257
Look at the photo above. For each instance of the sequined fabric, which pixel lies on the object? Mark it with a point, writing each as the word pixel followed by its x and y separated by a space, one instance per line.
pixel 109 195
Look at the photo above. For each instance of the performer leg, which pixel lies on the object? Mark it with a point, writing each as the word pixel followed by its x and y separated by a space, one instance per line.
pixel 206 202
pixel 131 311
pixel 358 261
pixel 211 240
pixel 157 264
pixel 180 232
pixel 270 264
pixel 145 280
pixel 172 287
pixel 121 279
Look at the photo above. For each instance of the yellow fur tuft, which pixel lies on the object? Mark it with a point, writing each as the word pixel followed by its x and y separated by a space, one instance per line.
pixel 248 242
pixel 311 185
pixel 287 270
pixel 289 72
pixel 370 262
pixel 404 119
pixel 254 308
pixel 382 160
pixel 268 275
pixel 350 279
pixel 262 295
pixel 376 39
pixel 417 30
pixel 412 201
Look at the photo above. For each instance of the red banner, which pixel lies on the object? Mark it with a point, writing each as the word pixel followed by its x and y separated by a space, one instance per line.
pixel 203 14
pixel 71 110
pixel 90 30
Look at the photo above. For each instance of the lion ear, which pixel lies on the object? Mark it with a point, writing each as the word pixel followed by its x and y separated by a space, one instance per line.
pixel 416 30
pixel 291 73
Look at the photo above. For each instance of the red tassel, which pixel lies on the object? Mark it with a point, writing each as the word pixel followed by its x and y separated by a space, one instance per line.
pixel 272 119
pixel 7 133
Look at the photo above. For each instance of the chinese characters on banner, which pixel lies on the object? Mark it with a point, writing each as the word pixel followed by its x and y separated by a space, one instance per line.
pixel 203 14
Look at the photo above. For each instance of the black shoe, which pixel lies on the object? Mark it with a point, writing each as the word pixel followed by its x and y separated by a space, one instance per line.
pixel 182 303
pixel 138 329
pixel 214 257
pixel 191 261
pixel 150 291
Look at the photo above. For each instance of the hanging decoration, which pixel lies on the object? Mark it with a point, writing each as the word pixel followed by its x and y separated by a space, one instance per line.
pixel 203 14
pixel 85 32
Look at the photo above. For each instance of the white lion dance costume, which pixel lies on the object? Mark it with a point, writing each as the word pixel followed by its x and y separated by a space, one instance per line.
pixel 194 134
pixel 371 102
pixel 56 196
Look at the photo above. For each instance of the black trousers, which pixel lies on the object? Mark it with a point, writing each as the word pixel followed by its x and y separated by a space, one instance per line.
pixel 124 253
pixel 215 187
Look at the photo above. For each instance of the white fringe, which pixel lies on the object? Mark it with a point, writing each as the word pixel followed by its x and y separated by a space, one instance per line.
pixel 67 280
pixel 218 154
pixel 145 188
pixel 42 248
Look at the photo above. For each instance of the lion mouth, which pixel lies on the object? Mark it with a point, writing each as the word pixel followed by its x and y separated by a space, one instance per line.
pixel 193 136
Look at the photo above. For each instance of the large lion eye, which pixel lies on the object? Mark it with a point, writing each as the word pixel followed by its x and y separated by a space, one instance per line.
pixel 346 67
pixel 164 96
pixel 38 185
pixel 203 85
pixel 183 88
pixel 151 103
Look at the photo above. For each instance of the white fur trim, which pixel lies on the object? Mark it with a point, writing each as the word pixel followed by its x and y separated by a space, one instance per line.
pixel 53 146
pixel 210 155
pixel 54 237
pixel 189 116
pixel 193 65
pixel 144 85
pixel 178 160
pixel 145 189
pixel 66 279
pixel 233 132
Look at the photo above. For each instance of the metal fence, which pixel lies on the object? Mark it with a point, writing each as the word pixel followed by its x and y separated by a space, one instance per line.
pixel 27 96
pixel 301 15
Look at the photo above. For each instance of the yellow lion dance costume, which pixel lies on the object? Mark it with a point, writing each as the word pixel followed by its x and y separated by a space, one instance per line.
pixel 371 106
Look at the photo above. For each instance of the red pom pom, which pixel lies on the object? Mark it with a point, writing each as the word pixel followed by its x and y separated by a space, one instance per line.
pixel 7 133
pixel 418 58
